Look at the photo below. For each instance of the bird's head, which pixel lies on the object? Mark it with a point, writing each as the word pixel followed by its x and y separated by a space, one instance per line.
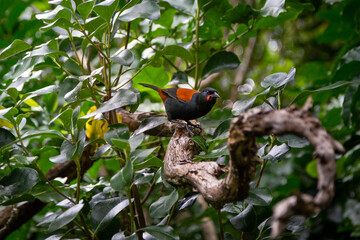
pixel 210 94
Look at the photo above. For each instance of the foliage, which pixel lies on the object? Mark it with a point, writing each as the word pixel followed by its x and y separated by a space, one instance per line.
pixel 60 82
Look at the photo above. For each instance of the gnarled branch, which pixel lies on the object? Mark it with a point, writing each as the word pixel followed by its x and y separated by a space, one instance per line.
pixel 180 170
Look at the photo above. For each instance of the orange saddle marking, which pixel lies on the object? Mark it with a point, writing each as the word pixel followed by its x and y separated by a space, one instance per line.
pixel 185 94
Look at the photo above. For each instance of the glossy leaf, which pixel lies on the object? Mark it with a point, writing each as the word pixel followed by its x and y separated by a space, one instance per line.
pixel 273 8
pixel 85 9
pixel 219 62
pixel 52 15
pixel 6 137
pixel 246 220
pixel 188 200
pixel 306 93
pixel 66 217
pixel 201 142
pixel 161 232
pixel 106 210
pixel 18 181
pixel 141 154
pixel 242 13
pixel 61 22
pixel 150 123
pixel 17 46
pixel 42 91
pixel 349 101
pixel 222 131
pixel 136 140
pixel 162 206
pixel 186 6
pixel 146 9
pixel 259 197
pixel 241 106
pixel 106 9
pixel 67 151
pixel 216 153
pixel 122 98
pixel 122 179
pixel 277 153
pixel 293 140
pixel 178 51
pixel 178 77
pixel 277 80
pixel 124 57
pixel 119 132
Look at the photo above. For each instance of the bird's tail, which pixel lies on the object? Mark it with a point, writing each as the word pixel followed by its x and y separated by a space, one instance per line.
pixel 150 86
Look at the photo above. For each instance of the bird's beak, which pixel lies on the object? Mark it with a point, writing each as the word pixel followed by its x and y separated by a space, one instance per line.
pixel 215 94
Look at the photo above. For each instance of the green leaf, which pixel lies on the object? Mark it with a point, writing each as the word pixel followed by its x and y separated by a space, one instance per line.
pixel 52 15
pixel 6 137
pixel 152 75
pixel 100 151
pixel 146 9
pixel 272 8
pixel 119 132
pixel 188 200
pixel 42 91
pixel 349 101
pixel 106 9
pixel 150 123
pixel 333 86
pixel 22 198
pixel 152 162
pixel 122 98
pixel 201 142
pixel 216 153
pixel 67 151
pixel 106 210
pixel 178 77
pixel 277 153
pixel 122 179
pixel 26 160
pixel 222 131
pixel 259 197
pixel 74 94
pixel 242 13
pixel 178 51
pixel 18 181
pixel 161 232
pixel 140 155
pixel 246 220
pixel 17 46
pixel 242 105
pixel 162 206
pixel 85 9
pixel 293 140
pixel 124 57
pixel 186 6
pixel 66 217
pixel 136 140
pixel 51 102
pixel 277 80
pixel 219 62
pixel 61 22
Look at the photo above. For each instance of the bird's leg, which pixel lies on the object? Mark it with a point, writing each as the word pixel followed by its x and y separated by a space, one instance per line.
pixel 191 124
pixel 183 124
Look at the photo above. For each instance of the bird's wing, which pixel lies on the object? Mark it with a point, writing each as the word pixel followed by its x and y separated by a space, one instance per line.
pixel 185 94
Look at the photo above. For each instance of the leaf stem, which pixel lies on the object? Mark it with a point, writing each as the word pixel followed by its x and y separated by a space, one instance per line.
pixel 170 215
pixel 132 215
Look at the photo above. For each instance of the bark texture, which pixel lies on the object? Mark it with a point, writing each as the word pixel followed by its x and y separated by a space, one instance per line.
pixel 204 176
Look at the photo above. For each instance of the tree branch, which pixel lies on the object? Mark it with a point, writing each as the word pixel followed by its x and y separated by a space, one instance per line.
pixel 180 170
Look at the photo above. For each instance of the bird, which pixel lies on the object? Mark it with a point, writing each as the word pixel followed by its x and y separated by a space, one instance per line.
pixel 185 104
